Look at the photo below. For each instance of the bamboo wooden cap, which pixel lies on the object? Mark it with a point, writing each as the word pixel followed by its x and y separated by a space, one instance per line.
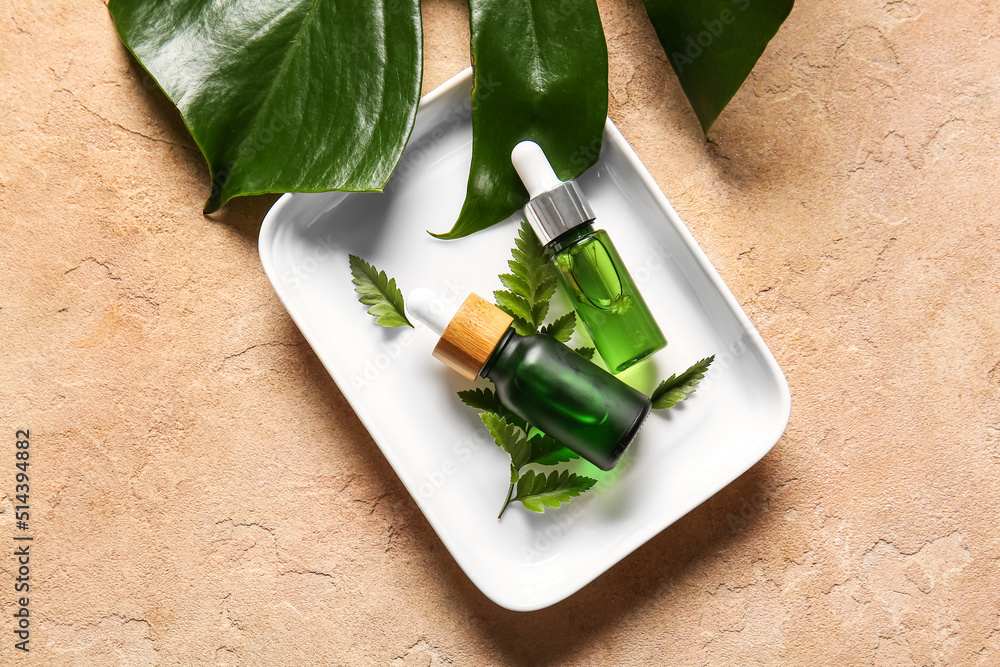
pixel 471 336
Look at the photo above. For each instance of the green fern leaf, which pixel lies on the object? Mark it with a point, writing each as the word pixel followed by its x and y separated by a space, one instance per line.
pixel 481 399
pixel 547 451
pixel 514 283
pixel 377 290
pixel 530 283
pixel 517 307
pixel 509 437
pixel 486 400
pixel 676 388
pixel 538 491
pixel 562 328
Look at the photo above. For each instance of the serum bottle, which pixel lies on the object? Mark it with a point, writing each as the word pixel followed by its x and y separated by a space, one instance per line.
pixel 588 265
pixel 536 377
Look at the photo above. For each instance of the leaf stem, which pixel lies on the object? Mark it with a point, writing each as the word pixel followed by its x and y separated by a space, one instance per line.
pixel 510 492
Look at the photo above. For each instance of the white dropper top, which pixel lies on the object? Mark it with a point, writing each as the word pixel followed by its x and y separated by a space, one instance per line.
pixel 533 168
pixel 430 309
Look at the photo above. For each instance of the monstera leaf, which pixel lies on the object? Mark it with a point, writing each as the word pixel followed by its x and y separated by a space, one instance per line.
pixel 541 73
pixel 299 95
pixel 316 95
pixel 713 44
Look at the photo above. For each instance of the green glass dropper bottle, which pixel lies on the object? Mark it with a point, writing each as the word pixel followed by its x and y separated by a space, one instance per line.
pixel 589 267
pixel 537 378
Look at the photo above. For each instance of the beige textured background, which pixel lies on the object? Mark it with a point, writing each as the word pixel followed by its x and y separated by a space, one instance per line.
pixel 203 494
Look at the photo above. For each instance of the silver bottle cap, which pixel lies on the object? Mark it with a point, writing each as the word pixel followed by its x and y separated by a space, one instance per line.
pixel 554 212
pixel 555 206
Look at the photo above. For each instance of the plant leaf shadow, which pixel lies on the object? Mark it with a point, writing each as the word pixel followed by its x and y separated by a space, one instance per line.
pixel 642 583
pixel 650 581
pixel 243 214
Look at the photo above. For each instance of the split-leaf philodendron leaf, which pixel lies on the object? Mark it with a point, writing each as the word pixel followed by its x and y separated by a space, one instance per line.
pixel 302 95
pixel 541 73
pixel 713 44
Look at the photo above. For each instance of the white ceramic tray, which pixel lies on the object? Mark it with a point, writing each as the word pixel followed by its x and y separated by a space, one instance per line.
pixel 437 446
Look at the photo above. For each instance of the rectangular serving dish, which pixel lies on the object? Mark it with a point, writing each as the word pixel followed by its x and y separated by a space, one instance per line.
pixel 438 447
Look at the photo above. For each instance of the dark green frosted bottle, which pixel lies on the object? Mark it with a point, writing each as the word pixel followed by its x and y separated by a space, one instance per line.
pixel 566 396
pixel 589 267
pixel 536 377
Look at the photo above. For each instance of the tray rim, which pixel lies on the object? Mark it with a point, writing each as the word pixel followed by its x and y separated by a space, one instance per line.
pixel 269 227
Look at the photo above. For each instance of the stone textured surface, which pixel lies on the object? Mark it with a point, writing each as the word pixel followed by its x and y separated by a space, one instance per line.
pixel 203 494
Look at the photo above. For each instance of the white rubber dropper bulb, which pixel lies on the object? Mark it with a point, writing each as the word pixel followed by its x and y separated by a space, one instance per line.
pixel 430 309
pixel 533 168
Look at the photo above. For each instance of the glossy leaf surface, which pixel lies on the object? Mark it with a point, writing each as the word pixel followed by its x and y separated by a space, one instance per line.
pixel 297 95
pixel 541 73
pixel 713 44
